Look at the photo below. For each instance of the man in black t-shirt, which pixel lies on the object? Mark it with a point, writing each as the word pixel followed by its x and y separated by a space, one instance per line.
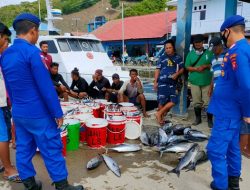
pixel 112 93
pixel 98 87
pixel 79 85
pixel 60 85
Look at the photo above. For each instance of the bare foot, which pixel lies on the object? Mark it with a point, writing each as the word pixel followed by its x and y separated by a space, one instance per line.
pixel 145 115
pixel 159 118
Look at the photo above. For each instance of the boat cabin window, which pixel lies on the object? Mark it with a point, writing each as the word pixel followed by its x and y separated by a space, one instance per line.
pixel 71 44
pixel 74 45
pixel 85 45
pixel 96 46
pixel 63 45
pixel 52 46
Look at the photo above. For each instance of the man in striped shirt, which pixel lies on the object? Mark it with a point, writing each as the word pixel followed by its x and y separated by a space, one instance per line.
pixel 217 48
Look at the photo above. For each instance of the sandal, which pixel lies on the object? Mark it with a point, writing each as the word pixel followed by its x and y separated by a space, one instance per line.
pixel 13 178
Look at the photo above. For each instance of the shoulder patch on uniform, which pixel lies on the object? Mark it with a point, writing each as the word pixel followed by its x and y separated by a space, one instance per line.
pixel 233 61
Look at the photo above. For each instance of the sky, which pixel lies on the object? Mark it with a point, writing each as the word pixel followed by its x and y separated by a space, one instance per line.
pixel 12 2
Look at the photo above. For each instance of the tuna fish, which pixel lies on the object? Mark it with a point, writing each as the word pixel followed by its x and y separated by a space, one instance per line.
pixel 145 138
pixel 163 138
pixel 194 135
pixel 126 148
pixel 177 148
pixel 176 139
pixel 112 165
pixel 186 159
pixel 168 127
pixel 94 163
pixel 179 129
pixel 199 158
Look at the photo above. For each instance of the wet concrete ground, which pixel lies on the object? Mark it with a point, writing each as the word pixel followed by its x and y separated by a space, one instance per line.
pixel 142 170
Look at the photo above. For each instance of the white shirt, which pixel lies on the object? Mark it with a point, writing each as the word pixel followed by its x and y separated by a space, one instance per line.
pixel 3 97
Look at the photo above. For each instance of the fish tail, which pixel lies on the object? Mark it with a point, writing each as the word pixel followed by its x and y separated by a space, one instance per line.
pixel 177 172
pixel 161 154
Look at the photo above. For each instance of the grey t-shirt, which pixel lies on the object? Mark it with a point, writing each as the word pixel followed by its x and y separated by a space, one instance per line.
pixel 131 90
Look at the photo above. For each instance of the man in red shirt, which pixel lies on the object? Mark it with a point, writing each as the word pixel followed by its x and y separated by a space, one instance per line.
pixel 47 59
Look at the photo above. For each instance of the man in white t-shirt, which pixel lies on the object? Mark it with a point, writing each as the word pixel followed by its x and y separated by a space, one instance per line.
pixel 10 173
pixel 132 91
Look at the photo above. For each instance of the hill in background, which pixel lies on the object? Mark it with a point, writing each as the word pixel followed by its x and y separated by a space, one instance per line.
pixel 83 11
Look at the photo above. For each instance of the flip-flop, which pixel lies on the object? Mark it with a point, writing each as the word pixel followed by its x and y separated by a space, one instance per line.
pixel 13 178
pixel 2 169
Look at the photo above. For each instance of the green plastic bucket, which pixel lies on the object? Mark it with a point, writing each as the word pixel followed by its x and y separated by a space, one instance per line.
pixel 73 134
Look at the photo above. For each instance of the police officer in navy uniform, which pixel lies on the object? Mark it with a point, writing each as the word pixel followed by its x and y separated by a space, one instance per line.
pixel 230 104
pixel 35 107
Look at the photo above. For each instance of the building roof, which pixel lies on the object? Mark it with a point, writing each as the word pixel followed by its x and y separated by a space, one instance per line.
pixel 138 27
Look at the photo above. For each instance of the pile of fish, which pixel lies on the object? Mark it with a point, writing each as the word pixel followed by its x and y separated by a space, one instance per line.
pixel 111 164
pixel 170 134
pixel 177 139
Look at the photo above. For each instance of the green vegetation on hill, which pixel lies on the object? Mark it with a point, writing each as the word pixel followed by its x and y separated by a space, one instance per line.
pixel 71 6
pixel 145 7
pixel 8 13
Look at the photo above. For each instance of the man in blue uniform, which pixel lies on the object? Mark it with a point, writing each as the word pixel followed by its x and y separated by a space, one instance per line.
pixel 230 103
pixel 35 107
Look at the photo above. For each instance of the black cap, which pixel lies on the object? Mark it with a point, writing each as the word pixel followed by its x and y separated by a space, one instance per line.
pixel 4 29
pixel 197 38
pixel 215 41
pixel 115 76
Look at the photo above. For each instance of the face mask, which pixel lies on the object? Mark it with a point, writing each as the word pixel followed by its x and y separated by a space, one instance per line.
pixel 198 52
pixel 224 38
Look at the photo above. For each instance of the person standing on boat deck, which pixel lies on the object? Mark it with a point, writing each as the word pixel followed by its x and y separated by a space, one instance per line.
pixel 169 68
pixel 36 110
pixel 230 103
pixel 60 85
pixel 10 172
pixel 80 83
pixel 47 59
pixel 198 63
pixel 215 44
pixel 112 93
pixel 98 87
pixel 132 91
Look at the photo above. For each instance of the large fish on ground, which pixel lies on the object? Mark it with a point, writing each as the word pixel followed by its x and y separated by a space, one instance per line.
pixel 174 139
pixel 199 158
pixel 186 159
pixel 126 148
pixel 112 165
pixel 194 135
pixel 168 127
pixel 176 148
pixel 145 139
pixel 163 138
pixel 179 129
pixel 94 163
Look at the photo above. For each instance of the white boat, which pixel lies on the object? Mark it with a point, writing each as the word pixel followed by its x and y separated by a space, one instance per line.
pixel 84 52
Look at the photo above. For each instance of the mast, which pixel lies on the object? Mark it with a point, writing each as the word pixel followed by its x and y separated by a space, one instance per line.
pixel 51 17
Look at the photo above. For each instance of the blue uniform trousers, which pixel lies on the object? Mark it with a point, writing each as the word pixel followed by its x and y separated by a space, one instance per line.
pixel 223 150
pixel 44 134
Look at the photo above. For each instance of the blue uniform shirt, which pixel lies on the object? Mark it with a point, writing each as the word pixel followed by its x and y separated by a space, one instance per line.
pixel 231 96
pixel 28 82
pixel 168 68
